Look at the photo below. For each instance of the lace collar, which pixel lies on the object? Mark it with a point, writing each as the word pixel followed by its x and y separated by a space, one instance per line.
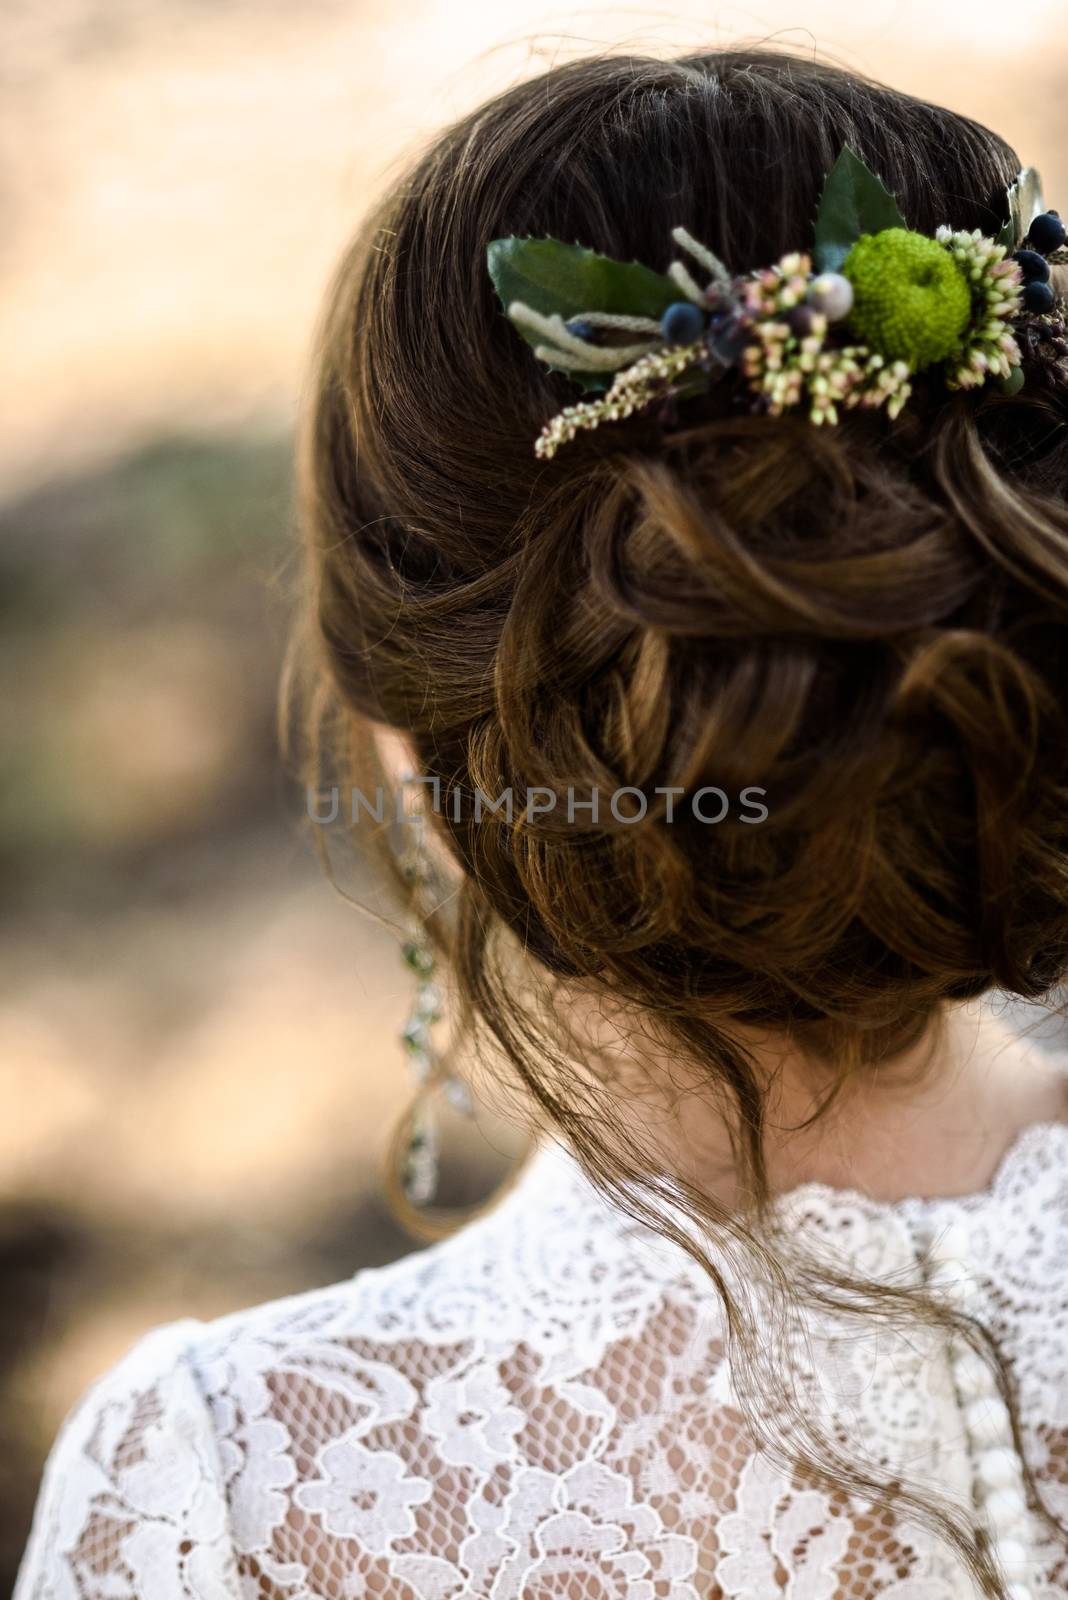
pixel 1033 1170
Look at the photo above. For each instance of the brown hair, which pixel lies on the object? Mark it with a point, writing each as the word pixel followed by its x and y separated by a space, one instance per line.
pixel 867 621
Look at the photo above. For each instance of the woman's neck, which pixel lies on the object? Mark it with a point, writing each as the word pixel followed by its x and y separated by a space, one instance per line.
pixel 936 1121
pixel 892 1138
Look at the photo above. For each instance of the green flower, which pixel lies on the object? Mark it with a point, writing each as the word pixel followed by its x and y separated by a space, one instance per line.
pixel 911 301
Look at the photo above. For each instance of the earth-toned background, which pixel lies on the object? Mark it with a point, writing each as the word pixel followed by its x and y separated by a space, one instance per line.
pixel 197 1035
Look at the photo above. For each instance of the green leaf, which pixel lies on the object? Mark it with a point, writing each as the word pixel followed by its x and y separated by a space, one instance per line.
pixel 1025 202
pixel 566 279
pixel 853 202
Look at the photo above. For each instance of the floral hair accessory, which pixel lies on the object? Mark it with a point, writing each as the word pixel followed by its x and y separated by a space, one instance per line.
pixel 849 325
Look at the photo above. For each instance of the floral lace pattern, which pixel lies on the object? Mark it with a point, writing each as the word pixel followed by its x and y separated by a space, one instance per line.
pixel 539 1408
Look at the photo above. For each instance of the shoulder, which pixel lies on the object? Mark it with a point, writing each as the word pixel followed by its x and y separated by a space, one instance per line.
pixel 133 1484
pixel 359 1423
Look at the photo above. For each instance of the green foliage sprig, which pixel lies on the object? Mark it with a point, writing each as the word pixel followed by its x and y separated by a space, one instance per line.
pixel 565 280
pixel 853 202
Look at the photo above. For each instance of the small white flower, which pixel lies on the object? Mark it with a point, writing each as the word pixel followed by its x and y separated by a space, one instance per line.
pixel 472 1418
pixel 365 1494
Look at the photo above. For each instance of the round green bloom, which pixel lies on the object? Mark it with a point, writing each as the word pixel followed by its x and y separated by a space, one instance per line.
pixel 911 301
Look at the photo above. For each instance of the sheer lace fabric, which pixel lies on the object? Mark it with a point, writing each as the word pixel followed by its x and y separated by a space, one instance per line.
pixel 539 1408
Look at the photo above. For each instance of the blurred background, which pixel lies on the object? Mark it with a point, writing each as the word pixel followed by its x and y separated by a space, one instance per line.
pixel 197 1035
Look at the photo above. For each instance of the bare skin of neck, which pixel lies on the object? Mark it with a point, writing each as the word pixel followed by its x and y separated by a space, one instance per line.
pixel 936 1121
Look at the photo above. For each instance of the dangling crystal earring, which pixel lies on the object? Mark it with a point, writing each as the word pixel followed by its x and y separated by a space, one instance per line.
pixel 410 1177
pixel 419 1181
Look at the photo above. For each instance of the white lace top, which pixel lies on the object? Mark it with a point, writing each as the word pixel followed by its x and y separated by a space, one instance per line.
pixel 538 1408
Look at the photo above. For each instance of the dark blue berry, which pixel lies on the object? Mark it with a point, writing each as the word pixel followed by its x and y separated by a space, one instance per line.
pixel 1035 268
pixel 799 320
pixel 682 323
pixel 1038 297
pixel 580 328
pixel 1047 232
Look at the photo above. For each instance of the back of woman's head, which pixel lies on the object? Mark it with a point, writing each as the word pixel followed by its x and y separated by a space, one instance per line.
pixel 866 622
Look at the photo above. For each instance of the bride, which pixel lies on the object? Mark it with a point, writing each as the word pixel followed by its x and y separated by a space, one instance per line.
pixel 778 1303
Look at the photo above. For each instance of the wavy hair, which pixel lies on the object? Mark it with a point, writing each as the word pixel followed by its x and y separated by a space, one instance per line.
pixel 868 621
